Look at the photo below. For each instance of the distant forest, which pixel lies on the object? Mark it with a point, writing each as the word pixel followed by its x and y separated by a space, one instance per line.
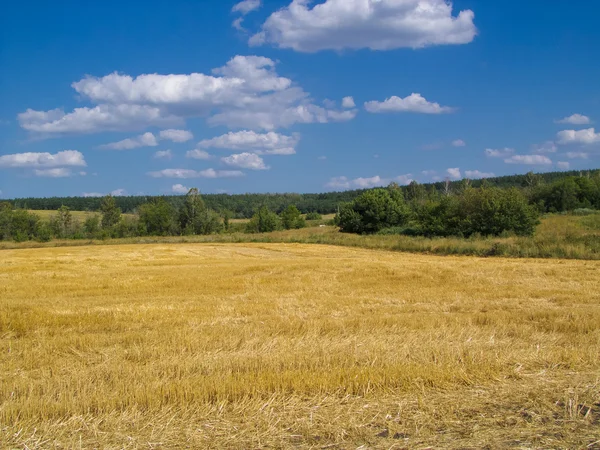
pixel 245 205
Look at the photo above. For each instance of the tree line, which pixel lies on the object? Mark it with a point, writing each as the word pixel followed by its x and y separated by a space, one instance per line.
pixel 157 217
pixel 464 209
pixel 246 205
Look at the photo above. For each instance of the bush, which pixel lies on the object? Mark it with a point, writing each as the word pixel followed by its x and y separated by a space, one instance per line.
pixel 314 216
pixel 264 221
pixel 292 219
pixel 373 211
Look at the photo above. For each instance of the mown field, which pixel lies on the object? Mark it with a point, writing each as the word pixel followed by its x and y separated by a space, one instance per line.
pixel 295 346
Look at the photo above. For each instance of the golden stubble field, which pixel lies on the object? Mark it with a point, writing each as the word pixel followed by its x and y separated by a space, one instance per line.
pixel 295 346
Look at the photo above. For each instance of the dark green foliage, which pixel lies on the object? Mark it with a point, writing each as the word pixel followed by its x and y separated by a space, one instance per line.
pixel 264 221
pixel 111 213
pixel 484 211
pixel 291 218
pixel 196 218
pixel 373 211
pixel 91 226
pixel 313 216
pixel 157 218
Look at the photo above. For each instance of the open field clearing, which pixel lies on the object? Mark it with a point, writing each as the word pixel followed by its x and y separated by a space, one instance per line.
pixel 295 346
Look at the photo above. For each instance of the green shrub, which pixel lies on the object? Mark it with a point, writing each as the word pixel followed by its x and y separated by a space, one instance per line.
pixel 314 216
pixel 264 221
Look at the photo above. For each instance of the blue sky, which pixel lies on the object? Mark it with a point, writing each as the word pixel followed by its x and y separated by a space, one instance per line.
pixel 155 97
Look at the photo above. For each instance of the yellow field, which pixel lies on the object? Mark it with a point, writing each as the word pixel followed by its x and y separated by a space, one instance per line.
pixel 77 215
pixel 295 346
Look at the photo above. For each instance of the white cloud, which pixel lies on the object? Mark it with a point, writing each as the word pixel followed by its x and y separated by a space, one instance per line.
pixel 93 120
pixel 366 183
pixel 477 174
pixel 459 143
pixel 246 161
pixel 373 24
pixel 163 154
pixel 536 160
pixel 270 143
pixel 144 140
pixel 454 173
pixel 59 172
pixel 237 24
pixel 179 189
pixel 588 136
pixel 115 193
pixel 563 165
pixel 546 147
pixel 246 6
pixel 348 102
pixel 197 154
pixel 245 93
pixel 575 119
pixel 577 155
pixel 187 173
pixel 176 135
pixel 413 103
pixel 71 158
pixel 404 179
pixel 429 173
pixel 499 153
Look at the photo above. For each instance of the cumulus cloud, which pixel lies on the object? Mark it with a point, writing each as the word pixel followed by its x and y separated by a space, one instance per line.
pixel 245 93
pixel 348 102
pixel 176 135
pixel 586 137
pixel 575 119
pixel 413 103
pixel 477 174
pixel 373 24
pixel 459 143
pixel 197 154
pixel 100 118
pixel 563 165
pixel 246 6
pixel 366 183
pixel 69 158
pixel 116 193
pixel 577 155
pixel 187 173
pixel 246 161
pixel 180 189
pixel 59 172
pixel 144 140
pixel 546 147
pixel 535 160
pixel 499 153
pixel 163 154
pixel 454 173
pixel 270 143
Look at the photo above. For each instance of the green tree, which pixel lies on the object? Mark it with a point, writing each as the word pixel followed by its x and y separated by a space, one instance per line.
pixel 157 218
pixel 91 226
pixel 63 221
pixel 373 211
pixel 291 218
pixel 111 213
pixel 264 221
